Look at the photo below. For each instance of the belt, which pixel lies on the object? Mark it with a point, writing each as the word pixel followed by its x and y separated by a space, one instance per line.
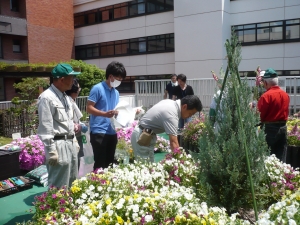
pixel 63 137
pixel 282 121
pixel 149 131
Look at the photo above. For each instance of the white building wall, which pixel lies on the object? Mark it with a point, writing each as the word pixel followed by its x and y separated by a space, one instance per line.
pixel 201 29
pixel 200 32
pixel 285 56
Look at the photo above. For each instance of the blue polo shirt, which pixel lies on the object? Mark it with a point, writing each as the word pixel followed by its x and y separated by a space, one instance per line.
pixel 105 99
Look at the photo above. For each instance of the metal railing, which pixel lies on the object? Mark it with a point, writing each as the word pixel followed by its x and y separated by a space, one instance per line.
pixel 150 92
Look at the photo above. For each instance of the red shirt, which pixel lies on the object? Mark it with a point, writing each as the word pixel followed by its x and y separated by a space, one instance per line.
pixel 273 105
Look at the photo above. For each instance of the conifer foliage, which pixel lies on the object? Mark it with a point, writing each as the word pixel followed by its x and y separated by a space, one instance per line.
pixel 222 154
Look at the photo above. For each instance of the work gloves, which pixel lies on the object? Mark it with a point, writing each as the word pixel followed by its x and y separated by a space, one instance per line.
pixel 53 158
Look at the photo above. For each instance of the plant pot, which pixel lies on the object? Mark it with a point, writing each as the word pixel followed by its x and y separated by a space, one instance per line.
pixel 25 69
pixel 40 69
pixel 11 69
pixel 293 156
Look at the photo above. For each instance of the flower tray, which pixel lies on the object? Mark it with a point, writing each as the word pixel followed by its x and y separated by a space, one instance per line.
pixel 17 188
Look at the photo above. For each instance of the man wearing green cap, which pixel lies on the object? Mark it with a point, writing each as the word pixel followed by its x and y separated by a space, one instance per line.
pixel 56 128
pixel 273 106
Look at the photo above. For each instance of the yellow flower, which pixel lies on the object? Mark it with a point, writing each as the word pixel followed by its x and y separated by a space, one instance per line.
pixel 203 222
pixel 107 221
pixel 135 196
pixel 75 189
pixel 107 182
pixel 108 201
pixel 120 220
pixel 212 222
pixel 177 219
pixel 78 223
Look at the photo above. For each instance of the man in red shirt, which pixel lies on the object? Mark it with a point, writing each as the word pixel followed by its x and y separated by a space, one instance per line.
pixel 273 106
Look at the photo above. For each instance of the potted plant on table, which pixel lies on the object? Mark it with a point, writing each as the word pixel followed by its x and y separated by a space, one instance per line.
pixel 32 153
pixel 293 139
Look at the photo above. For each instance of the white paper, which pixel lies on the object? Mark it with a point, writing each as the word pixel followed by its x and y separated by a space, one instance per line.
pixel 126 114
pixel 16 136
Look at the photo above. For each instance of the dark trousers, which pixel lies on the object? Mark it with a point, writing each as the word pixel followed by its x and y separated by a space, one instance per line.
pixel 276 137
pixel 80 153
pixel 104 147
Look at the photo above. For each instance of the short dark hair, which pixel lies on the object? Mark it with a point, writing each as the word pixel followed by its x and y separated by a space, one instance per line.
pixel 193 102
pixel 173 75
pixel 181 77
pixel 74 88
pixel 116 69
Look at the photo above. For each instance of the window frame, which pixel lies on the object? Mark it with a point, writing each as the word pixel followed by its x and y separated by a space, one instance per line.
pixel 17 42
pixel 241 28
pixel 133 47
pixel 166 8
pixel 14 5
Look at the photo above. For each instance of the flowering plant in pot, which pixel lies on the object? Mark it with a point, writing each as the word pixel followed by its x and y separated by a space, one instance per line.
pixel 193 130
pixel 162 145
pixel 293 132
pixel 124 147
pixel 32 153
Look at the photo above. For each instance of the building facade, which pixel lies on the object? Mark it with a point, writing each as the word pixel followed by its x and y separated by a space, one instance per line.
pixel 155 38
pixel 34 32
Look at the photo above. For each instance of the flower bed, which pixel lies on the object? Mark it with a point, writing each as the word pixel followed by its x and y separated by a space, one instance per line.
pixel 32 153
pixel 159 193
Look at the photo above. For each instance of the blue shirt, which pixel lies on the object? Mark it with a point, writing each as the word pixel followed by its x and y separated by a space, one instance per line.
pixel 105 99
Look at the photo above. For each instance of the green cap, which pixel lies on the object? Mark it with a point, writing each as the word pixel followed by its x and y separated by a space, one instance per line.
pixel 270 73
pixel 62 70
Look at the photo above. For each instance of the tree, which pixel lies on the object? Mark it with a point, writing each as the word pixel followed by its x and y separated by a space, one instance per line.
pixel 90 75
pixel 29 90
pixel 223 161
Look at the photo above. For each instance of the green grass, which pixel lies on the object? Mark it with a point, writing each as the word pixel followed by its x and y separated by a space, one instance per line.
pixel 5 140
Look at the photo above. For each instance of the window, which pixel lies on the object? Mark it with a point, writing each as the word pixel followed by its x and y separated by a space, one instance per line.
pixel 17 46
pixel 122 11
pixel 134 46
pixel 292 29
pixel 137 7
pixel 14 5
pixel 269 32
pixel 155 5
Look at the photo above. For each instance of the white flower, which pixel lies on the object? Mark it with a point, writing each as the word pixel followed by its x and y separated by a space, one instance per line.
pixel 148 218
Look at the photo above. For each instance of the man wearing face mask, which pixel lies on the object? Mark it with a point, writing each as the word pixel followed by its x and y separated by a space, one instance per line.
pixel 170 86
pixel 101 102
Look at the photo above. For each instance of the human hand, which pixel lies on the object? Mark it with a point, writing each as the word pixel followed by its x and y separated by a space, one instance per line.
pixel 53 158
pixel 137 111
pixel 77 128
pixel 110 113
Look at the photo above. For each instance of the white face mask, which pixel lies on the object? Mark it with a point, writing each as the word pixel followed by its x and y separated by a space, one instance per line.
pixel 174 84
pixel 115 84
